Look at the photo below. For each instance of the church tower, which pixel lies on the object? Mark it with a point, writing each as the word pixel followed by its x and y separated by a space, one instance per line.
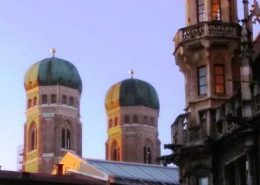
pixel 132 108
pixel 206 50
pixel 52 128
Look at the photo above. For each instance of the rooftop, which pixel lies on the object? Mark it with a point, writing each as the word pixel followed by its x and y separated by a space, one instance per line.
pixel 128 173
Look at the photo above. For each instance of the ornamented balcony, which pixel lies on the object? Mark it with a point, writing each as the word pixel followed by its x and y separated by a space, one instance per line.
pixel 207 29
pixel 213 123
pixel 185 133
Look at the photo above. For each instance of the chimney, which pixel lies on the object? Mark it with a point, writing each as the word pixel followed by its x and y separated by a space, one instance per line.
pixel 59 168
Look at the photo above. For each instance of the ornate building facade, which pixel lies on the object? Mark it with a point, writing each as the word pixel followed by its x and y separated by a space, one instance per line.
pixel 52 128
pixel 132 107
pixel 217 139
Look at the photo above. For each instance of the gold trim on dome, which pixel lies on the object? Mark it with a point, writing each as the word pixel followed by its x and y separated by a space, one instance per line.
pixel 112 98
pixel 30 80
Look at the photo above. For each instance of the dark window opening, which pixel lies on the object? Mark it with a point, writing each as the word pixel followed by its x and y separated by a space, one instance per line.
pixel 34 101
pixel 147 155
pixel 219 78
pixel 145 120
pixel 64 100
pixel 44 99
pixel 202 80
pixel 215 10
pixel 220 127
pixel 116 121
pixel 71 101
pixel 115 152
pixel 236 172
pixel 29 103
pixel 235 75
pixel 66 138
pixel 135 119
pixel 33 138
pixel 203 123
pixel 231 11
pixel 53 98
pixel 127 120
pixel 110 124
pixel 200 10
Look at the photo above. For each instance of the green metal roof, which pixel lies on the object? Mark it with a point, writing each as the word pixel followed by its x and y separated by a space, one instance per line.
pixel 53 71
pixel 132 92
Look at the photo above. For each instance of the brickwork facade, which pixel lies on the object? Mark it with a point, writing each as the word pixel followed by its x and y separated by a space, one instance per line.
pixel 134 138
pixel 52 127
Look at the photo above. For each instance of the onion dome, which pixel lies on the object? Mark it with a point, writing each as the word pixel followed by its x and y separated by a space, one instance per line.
pixel 53 71
pixel 132 92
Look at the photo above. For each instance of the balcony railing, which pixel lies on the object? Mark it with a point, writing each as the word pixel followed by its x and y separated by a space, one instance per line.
pixel 213 123
pixel 207 29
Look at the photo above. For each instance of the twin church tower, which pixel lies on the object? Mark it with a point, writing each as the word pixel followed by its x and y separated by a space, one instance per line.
pixel 53 127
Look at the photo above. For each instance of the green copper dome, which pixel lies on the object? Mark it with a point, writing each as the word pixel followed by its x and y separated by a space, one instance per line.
pixel 132 92
pixel 53 71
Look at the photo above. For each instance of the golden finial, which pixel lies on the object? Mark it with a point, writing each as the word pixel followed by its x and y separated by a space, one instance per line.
pixel 131 72
pixel 53 51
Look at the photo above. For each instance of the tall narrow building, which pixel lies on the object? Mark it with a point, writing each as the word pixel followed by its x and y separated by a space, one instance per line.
pixel 206 52
pixel 132 107
pixel 53 88
pixel 216 141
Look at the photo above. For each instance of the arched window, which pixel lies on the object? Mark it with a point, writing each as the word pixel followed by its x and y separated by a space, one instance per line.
pixel 71 101
pixel 64 99
pixel 116 121
pixel 135 119
pixel 127 120
pixel 34 101
pixel 115 152
pixel 53 98
pixel 44 99
pixel 29 103
pixel 66 137
pixel 147 155
pixel 110 124
pixel 145 120
pixel 32 137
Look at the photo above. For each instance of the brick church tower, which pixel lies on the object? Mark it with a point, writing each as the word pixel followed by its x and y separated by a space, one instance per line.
pixel 132 107
pixel 53 88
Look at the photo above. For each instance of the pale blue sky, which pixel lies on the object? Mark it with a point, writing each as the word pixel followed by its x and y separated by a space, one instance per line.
pixel 103 39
